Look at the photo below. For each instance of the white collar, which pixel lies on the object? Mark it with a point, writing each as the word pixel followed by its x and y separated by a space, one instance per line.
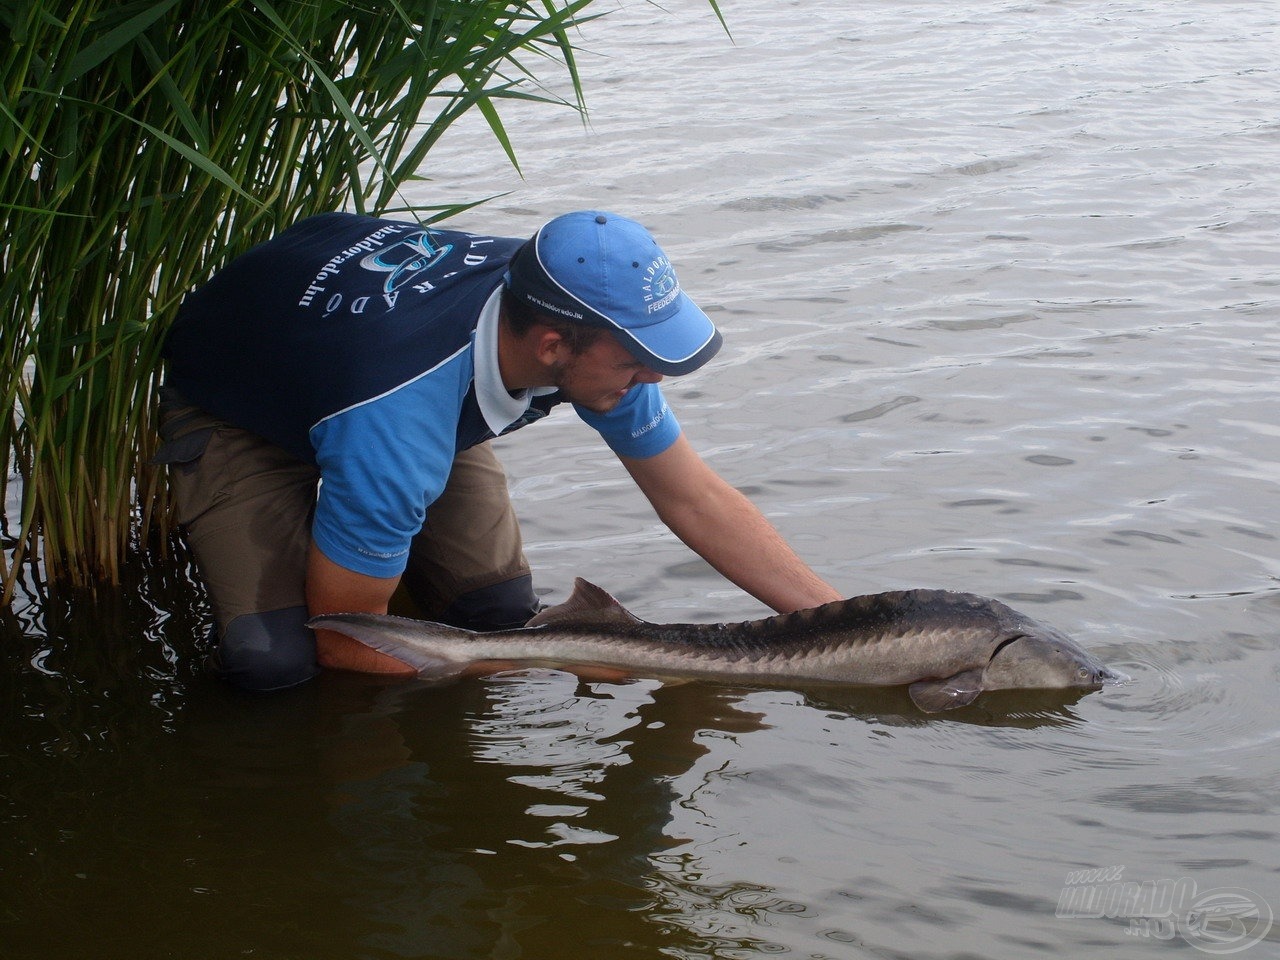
pixel 499 406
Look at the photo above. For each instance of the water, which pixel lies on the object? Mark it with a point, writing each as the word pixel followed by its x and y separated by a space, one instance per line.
pixel 999 287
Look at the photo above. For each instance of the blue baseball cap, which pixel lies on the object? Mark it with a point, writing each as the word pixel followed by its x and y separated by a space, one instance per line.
pixel 602 270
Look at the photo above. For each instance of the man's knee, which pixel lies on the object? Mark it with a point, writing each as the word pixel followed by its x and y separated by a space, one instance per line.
pixel 268 651
pixel 501 606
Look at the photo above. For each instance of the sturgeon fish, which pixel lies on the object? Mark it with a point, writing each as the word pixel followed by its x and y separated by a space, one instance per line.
pixel 946 647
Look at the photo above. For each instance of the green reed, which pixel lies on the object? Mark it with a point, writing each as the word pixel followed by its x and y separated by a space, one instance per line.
pixel 144 144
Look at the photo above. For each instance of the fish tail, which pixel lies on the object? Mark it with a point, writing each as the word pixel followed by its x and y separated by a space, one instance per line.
pixel 379 633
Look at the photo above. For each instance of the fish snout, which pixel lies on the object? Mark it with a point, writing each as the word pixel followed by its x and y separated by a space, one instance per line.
pixel 1106 674
pixel 1089 672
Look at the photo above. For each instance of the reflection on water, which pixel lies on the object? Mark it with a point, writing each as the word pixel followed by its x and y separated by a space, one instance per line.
pixel 998 286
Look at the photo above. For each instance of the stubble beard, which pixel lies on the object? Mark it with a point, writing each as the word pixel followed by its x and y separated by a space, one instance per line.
pixel 562 374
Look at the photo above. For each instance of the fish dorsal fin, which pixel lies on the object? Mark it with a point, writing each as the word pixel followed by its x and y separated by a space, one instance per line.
pixel 933 696
pixel 587 604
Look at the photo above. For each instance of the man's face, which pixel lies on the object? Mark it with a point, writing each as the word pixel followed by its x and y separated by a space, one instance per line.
pixel 600 376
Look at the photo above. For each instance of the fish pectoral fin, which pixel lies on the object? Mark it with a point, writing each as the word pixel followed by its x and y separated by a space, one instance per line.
pixel 933 696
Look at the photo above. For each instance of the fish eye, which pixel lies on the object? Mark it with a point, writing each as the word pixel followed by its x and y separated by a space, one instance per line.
pixel 1084 673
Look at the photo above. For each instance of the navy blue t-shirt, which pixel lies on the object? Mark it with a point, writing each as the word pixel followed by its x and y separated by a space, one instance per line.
pixel 350 342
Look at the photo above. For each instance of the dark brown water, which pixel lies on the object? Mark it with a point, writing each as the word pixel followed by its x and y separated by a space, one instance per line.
pixel 999 287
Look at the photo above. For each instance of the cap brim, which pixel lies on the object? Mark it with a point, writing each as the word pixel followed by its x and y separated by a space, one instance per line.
pixel 679 344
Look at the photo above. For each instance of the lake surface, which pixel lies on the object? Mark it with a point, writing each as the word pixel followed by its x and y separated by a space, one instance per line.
pixel 1000 284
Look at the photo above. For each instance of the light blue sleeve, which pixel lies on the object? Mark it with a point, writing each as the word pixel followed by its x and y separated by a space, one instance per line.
pixel 641 426
pixel 381 463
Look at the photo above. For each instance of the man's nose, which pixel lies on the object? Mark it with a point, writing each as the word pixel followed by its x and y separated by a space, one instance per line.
pixel 648 376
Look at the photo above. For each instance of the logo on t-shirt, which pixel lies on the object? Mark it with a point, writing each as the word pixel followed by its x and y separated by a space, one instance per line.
pixel 412 261
pixel 406 259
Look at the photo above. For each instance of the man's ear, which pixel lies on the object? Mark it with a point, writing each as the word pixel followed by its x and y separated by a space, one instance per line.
pixel 549 346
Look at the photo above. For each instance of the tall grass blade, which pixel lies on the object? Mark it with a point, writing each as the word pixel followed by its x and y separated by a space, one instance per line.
pixel 142 145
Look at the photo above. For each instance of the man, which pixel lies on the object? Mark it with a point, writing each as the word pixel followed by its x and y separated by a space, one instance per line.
pixel 329 399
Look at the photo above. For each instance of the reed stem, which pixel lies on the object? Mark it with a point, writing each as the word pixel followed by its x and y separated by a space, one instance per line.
pixel 143 143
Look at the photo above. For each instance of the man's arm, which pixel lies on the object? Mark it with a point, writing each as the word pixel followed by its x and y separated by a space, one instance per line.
pixel 335 589
pixel 722 526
